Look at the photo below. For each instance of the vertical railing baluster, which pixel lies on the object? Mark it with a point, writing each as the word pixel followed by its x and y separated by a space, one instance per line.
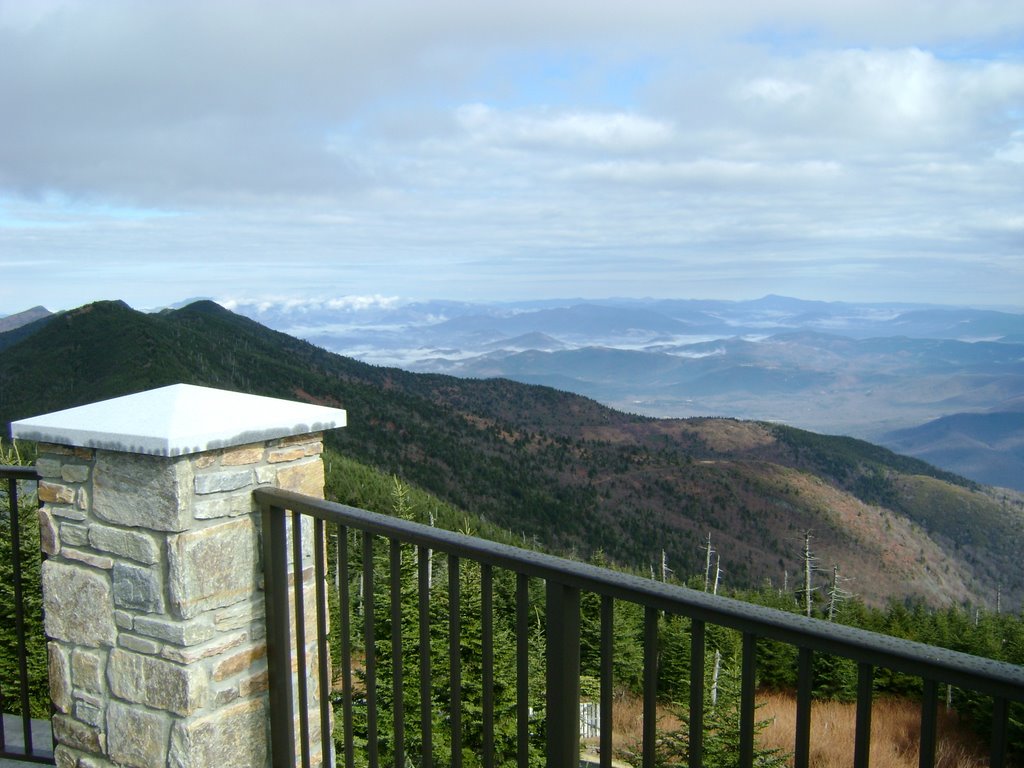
pixel 1000 721
pixel 487 651
pixel 697 649
pixel 302 694
pixel 19 613
pixel 370 651
pixel 426 699
pixel 804 681
pixel 607 681
pixel 279 667
pixel 650 721
pixel 747 690
pixel 929 722
pixel 455 659
pixel 322 649
pixel 862 737
pixel 563 675
pixel 345 625
pixel 522 671
pixel 397 681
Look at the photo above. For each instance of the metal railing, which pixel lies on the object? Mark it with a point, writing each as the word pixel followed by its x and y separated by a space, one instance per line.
pixel 564 582
pixel 21 736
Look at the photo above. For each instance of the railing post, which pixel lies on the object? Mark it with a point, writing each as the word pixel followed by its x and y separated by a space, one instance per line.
pixel 153 586
pixel 563 675
pixel 279 644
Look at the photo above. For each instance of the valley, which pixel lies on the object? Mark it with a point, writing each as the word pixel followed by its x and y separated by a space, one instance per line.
pixel 880 372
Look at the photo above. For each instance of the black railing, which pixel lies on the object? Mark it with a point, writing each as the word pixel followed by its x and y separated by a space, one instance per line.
pixel 24 689
pixel 565 580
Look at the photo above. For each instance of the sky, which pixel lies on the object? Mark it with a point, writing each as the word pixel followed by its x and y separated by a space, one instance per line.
pixel 856 150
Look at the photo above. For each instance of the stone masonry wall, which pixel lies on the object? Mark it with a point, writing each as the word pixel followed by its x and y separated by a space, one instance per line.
pixel 153 600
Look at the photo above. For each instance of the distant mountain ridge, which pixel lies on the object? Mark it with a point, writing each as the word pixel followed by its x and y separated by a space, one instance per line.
pixel 563 469
pixel 990 445
pixel 19 319
pixel 865 370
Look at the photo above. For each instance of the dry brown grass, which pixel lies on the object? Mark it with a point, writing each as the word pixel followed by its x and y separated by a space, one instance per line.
pixel 895 732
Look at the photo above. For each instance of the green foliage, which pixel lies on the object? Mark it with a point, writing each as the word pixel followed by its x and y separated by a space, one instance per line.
pixel 32 603
pixel 403 503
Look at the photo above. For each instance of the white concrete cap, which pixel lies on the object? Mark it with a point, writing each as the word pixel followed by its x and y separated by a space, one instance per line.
pixel 177 420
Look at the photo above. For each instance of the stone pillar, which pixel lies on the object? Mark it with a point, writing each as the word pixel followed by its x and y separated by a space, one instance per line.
pixel 152 587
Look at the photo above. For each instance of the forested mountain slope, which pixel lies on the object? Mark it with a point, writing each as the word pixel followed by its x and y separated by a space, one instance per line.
pixel 561 469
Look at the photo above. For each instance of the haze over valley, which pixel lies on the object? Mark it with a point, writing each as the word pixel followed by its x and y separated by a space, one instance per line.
pixel 884 372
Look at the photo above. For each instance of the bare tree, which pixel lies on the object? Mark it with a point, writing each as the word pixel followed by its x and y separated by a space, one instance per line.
pixel 707 563
pixel 809 568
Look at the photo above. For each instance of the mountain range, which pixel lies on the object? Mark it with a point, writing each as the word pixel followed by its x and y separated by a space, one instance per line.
pixel 880 372
pixel 562 470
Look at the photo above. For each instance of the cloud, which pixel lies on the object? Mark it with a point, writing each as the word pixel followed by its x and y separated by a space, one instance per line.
pixel 436 145
pixel 614 131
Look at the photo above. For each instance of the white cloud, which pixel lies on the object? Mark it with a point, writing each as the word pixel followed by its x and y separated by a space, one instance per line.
pixel 612 131
pixel 487 145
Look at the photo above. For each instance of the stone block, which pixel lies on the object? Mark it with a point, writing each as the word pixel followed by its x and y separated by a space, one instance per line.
pixel 238 662
pixel 307 478
pixel 302 438
pixel 266 475
pixel 64 757
pixel 67 513
pixel 88 761
pixel 205 460
pixel 138 644
pixel 156 683
pixel 78 605
pixel 60 677
pixel 241 614
pixel 142 491
pixel 179 632
pixel 231 505
pixel 134 545
pixel 137 737
pixel 255 683
pixel 218 482
pixel 89 712
pixel 47 467
pixel 225 696
pixel 49 541
pixel 192 654
pixel 74 473
pixel 89 558
pixel 66 450
pixel 78 735
pixel 87 667
pixel 74 534
pixel 55 493
pixel 233 737
pixel 123 619
pixel 243 454
pixel 137 588
pixel 292 453
pixel 212 567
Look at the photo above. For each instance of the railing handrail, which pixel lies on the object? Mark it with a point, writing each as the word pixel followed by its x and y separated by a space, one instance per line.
pixel 996 678
pixel 18 472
